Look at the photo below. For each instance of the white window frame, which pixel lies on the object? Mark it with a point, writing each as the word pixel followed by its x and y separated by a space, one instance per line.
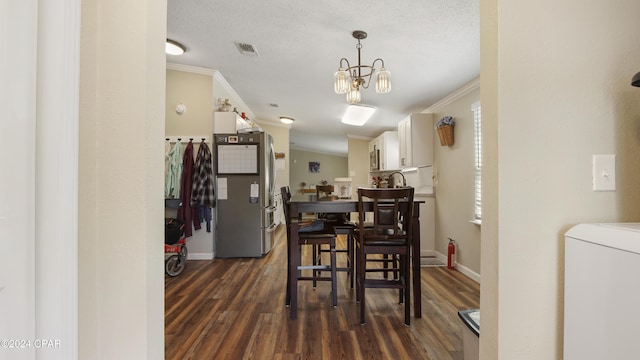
pixel 477 162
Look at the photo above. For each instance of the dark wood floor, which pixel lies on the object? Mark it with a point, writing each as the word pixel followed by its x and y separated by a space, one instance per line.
pixel 234 309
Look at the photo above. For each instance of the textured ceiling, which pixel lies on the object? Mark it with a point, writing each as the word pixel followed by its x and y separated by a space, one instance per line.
pixel 430 47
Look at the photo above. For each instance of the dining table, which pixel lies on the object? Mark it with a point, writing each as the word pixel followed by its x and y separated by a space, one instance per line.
pixel 306 203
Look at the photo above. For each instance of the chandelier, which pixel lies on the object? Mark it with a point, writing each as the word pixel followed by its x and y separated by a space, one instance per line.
pixel 349 79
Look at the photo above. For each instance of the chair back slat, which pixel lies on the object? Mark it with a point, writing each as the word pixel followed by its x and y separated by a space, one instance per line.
pixel 392 209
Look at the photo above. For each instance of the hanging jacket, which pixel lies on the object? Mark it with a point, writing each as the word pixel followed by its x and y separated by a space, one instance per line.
pixel 203 193
pixel 174 172
pixel 188 213
pixel 167 150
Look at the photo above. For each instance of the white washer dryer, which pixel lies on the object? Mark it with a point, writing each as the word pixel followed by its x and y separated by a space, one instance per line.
pixel 602 292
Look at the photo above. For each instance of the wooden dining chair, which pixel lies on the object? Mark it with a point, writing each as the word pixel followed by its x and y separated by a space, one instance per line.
pixel 325 235
pixel 389 234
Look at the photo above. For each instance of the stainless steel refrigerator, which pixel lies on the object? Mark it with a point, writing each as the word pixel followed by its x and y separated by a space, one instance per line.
pixel 244 166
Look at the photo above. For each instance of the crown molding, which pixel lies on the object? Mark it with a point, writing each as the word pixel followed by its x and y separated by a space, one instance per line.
pixel 359 137
pixel 191 69
pixel 454 96
pixel 236 99
pixel 221 80
pixel 297 148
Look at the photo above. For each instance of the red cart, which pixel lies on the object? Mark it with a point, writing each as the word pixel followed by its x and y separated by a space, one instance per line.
pixel 175 243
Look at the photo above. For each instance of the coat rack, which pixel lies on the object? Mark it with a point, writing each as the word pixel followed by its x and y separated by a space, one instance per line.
pixel 185 138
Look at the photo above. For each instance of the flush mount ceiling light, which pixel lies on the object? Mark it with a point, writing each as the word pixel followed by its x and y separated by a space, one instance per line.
pixel 349 79
pixel 174 48
pixel 286 120
pixel 635 81
pixel 357 114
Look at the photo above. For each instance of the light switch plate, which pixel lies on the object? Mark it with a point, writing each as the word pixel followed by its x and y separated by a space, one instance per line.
pixel 604 172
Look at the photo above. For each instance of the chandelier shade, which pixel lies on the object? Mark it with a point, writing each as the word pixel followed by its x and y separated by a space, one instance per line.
pixel 383 84
pixel 349 79
pixel 341 81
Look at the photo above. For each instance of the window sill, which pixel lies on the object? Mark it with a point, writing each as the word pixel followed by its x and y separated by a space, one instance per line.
pixel 477 222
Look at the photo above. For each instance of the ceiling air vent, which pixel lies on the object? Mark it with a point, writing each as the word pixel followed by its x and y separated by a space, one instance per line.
pixel 246 49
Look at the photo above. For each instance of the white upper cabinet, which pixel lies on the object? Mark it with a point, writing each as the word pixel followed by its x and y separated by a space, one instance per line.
pixel 228 122
pixel 387 144
pixel 415 139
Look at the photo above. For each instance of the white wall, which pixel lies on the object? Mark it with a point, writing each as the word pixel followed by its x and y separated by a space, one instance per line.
pixel 489 265
pixel 454 181
pixel 359 162
pixel 331 167
pixel 17 197
pixel 280 134
pixel 555 90
pixel 56 211
pixel 38 198
pixel 120 260
pixel 192 87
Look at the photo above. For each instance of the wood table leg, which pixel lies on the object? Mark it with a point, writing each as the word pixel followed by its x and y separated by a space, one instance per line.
pixel 288 294
pixel 294 257
pixel 415 250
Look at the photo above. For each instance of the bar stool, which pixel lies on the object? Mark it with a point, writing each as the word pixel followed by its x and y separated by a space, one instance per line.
pixel 315 235
pixel 342 226
pixel 389 234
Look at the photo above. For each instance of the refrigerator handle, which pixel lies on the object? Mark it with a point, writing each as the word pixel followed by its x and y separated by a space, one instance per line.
pixel 272 168
pixel 272 227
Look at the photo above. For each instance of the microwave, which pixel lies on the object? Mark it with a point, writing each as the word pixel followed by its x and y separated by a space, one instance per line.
pixel 374 160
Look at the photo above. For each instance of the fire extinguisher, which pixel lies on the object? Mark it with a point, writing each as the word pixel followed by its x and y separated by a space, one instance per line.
pixel 451 254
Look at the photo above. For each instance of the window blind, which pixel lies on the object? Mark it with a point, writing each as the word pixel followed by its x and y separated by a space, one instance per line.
pixel 477 124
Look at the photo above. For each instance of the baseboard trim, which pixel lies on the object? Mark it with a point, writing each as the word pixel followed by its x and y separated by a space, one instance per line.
pixel 461 268
pixel 200 256
pixel 428 253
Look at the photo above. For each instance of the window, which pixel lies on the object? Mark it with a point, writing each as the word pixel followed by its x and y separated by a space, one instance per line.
pixel 477 146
